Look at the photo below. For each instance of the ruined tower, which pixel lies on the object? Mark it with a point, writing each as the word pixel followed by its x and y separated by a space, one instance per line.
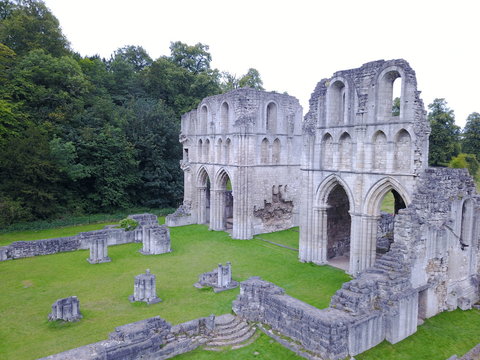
pixel 358 146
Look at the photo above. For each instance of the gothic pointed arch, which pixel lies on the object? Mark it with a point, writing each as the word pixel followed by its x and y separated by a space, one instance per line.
pixel 276 151
pixel 345 152
pixel 327 152
pixel 271 121
pixel 403 151
pixel 224 117
pixel 377 192
pixel 379 141
pixel 265 151
pixel 327 185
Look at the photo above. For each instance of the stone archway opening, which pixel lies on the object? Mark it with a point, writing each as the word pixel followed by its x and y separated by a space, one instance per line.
pixel 338 228
pixel 223 203
pixel 203 196
pixel 391 203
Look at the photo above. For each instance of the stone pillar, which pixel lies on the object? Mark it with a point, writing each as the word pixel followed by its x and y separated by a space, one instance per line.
pixel 156 240
pixel 217 221
pixel 66 309
pixel 144 289
pixel 224 275
pixel 202 204
pixel 363 243
pixel 98 250
pixel 320 240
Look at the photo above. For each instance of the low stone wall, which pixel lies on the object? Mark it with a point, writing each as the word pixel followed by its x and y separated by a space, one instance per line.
pixel 114 236
pixel 153 338
pixel 24 249
pixel 330 333
pixel 182 216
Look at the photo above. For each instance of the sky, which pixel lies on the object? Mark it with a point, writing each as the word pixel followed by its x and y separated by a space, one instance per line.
pixel 294 44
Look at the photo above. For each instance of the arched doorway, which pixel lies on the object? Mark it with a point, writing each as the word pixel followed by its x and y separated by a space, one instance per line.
pixel 203 196
pixel 338 228
pixel 222 214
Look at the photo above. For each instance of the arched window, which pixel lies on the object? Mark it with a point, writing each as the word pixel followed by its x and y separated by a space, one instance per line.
pixel 203 120
pixel 386 105
pixel 327 152
pixel 345 152
pixel 206 152
pixel 228 149
pixel 265 152
pixel 219 151
pixel 271 123
pixel 379 151
pixel 224 118
pixel 403 152
pixel 276 151
pixel 336 102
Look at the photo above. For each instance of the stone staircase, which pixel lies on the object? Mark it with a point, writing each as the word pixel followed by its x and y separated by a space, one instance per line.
pixel 231 331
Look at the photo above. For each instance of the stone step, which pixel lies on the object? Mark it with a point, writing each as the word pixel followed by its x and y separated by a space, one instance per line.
pixel 232 340
pixel 224 319
pixel 233 330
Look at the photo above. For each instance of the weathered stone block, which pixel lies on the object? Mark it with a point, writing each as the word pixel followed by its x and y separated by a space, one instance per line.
pixel 156 240
pixel 66 309
pixel 145 289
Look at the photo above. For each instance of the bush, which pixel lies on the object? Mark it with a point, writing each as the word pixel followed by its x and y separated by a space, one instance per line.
pixel 467 161
pixel 128 224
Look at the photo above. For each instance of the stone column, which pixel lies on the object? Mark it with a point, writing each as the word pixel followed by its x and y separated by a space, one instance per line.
pixel 202 204
pixel 66 309
pixel 363 243
pixel 318 245
pixel 144 289
pixel 217 221
pixel 98 251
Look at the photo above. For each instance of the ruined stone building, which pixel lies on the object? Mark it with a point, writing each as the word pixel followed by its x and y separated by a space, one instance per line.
pixel 356 151
pixel 241 163
pixel 357 145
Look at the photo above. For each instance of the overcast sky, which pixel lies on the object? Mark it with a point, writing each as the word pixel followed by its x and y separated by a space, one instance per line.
pixel 296 43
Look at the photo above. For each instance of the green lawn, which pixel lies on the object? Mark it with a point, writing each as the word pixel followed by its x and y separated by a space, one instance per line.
pixel 27 235
pixel 28 288
pixel 286 237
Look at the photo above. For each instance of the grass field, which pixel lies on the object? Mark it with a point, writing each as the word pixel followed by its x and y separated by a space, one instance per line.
pixel 28 288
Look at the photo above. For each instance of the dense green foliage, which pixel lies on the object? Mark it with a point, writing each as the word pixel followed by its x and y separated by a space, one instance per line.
pixel 445 135
pixel 471 135
pixel 466 161
pixel 84 134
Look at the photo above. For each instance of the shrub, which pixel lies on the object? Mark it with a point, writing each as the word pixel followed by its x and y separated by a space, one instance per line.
pixel 467 161
pixel 128 224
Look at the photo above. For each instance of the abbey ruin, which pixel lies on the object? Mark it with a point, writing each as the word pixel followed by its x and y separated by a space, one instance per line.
pixel 252 166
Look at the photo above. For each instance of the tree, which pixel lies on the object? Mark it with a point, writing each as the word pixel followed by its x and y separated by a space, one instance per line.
pixel 445 135
pixel 195 58
pixel 251 79
pixel 137 56
pixel 153 130
pixel 50 88
pixel 28 175
pixel 471 135
pixel 28 25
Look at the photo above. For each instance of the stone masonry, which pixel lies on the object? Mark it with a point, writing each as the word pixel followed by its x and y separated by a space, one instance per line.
pixel 113 236
pixel 220 279
pixel 241 154
pixel 156 240
pixel 67 309
pixel 98 248
pixel 145 289
pixel 356 150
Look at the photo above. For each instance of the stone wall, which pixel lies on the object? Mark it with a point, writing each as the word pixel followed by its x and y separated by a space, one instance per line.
pixel 153 338
pixel 114 236
pixel 331 333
